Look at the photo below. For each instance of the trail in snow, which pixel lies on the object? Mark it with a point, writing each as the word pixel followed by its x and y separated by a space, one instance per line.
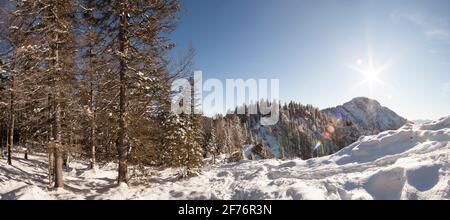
pixel 409 163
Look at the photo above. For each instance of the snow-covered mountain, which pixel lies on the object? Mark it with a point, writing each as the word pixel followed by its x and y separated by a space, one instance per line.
pixel 421 121
pixel 411 163
pixel 368 115
pixel 302 127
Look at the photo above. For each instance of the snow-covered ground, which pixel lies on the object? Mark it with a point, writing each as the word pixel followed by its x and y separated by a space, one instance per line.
pixel 409 163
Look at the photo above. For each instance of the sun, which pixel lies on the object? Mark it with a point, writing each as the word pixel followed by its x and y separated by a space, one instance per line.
pixel 371 75
pixel 370 72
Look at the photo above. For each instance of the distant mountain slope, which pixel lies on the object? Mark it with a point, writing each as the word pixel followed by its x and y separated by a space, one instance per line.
pixel 304 131
pixel 301 128
pixel 421 121
pixel 367 114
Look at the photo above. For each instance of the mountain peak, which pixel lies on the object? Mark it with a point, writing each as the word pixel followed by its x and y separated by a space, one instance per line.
pixel 368 115
pixel 364 99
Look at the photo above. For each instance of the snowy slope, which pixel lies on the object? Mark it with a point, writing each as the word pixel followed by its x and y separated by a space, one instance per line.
pixel 412 162
pixel 269 140
pixel 367 114
pixel 421 121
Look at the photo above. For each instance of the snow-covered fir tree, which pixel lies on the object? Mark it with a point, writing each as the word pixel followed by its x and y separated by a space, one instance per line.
pixel 212 145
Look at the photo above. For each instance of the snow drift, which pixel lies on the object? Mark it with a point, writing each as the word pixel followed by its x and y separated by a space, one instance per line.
pixel 409 163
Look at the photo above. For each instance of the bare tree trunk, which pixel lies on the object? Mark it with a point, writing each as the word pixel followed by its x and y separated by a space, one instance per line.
pixel 2 141
pixel 51 164
pixel 58 151
pixel 27 150
pixel 93 118
pixel 93 137
pixel 1 138
pixel 50 147
pixel 59 180
pixel 11 124
pixel 24 144
pixel 122 144
pixel 122 141
pixel 65 151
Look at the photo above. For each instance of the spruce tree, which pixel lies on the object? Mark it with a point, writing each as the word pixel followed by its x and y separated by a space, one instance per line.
pixel 135 31
pixel 212 146
pixel 48 26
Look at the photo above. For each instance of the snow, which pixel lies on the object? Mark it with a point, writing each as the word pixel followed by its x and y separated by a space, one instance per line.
pixel 367 114
pixel 269 140
pixel 409 163
pixel 437 125
pixel 421 121
pixel 248 151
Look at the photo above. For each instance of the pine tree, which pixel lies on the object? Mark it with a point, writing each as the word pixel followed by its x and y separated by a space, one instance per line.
pixel 182 143
pixel 135 31
pixel 212 146
pixel 92 73
pixel 193 144
pixel 3 108
pixel 12 118
pixel 48 26
pixel 173 140
pixel 9 91
pixel 3 103
pixel 190 149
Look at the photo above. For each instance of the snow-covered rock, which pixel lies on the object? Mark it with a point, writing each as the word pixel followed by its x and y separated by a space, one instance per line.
pixel 367 114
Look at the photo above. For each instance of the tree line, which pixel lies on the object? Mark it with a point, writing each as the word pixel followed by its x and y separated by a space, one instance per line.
pixel 91 79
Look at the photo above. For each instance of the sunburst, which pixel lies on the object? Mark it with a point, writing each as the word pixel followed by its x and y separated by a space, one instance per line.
pixel 371 73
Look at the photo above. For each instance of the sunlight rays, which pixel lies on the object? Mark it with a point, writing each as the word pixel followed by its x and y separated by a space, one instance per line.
pixel 370 72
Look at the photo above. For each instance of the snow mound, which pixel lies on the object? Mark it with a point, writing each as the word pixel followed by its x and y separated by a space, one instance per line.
pixel 28 192
pixel 437 125
pixel 390 143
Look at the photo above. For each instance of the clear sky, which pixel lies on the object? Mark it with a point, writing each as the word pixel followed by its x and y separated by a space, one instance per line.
pixel 312 45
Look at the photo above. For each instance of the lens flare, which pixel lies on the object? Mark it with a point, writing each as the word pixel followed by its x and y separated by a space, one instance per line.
pixel 318 144
pixel 359 61
pixel 370 72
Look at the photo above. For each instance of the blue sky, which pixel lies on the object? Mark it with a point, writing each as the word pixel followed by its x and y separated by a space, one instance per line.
pixel 309 46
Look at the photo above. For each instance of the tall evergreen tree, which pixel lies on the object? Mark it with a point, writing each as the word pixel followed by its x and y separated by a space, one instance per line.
pixel 212 146
pixel 135 32
pixel 48 24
